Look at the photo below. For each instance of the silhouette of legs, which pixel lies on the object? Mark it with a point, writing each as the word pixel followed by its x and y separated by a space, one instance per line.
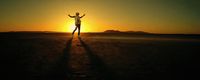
pixel 74 30
pixel 79 29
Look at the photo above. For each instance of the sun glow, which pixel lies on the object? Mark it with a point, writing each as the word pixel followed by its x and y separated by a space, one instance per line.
pixel 69 26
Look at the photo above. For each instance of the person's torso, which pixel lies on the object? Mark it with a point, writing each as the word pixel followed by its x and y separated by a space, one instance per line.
pixel 77 20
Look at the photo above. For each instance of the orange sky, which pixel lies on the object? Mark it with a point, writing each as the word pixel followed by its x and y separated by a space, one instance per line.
pixel 156 16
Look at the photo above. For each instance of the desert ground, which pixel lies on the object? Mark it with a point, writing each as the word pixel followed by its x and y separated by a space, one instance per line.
pixel 98 56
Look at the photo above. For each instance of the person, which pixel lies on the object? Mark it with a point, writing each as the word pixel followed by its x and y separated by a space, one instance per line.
pixel 77 22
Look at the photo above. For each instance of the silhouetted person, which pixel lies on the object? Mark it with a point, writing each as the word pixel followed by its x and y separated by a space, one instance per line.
pixel 77 22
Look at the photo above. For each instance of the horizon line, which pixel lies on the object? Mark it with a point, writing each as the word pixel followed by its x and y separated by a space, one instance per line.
pixel 93 32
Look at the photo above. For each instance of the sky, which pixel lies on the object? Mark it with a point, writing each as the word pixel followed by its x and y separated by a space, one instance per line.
pixel 155 16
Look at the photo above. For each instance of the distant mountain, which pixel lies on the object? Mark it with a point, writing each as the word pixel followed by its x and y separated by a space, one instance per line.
pixel 112 31
pixel 134 32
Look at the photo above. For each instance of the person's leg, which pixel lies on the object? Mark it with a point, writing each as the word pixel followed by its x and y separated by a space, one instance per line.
pixel 79 29
pixel 74 30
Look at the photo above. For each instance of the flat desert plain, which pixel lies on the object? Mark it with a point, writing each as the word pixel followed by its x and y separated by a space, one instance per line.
pixel 98 56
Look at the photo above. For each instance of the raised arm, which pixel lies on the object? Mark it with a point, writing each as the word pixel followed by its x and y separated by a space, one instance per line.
pixel 71 16
pixel 82 15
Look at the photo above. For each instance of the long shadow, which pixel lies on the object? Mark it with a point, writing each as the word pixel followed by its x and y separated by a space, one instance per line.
pixel 97 65
pixel 61 70
pixel 58 70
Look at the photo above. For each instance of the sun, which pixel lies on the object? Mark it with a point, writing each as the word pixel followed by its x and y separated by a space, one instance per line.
pixel 69 26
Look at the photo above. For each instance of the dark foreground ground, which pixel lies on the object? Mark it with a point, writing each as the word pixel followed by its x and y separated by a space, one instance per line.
pixel 31 56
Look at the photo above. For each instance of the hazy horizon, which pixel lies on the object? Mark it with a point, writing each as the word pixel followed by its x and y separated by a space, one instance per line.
pixel 155 16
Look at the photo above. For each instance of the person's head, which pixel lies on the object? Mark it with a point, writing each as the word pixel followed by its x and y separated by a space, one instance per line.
pixel 77 13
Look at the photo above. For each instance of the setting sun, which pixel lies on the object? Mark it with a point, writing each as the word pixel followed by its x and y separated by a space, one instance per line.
pixel 69 26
